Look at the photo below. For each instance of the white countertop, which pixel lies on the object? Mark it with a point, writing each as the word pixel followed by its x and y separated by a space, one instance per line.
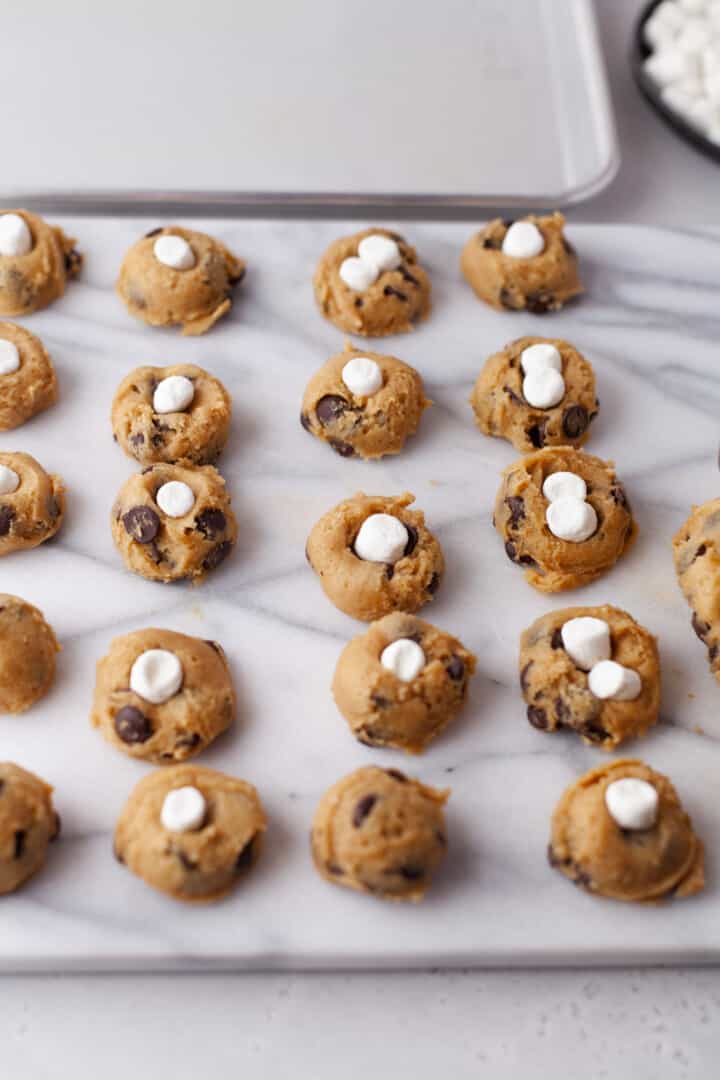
pixel 639 1024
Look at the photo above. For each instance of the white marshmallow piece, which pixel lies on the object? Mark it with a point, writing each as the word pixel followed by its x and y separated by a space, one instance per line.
pixel 382 538
pixel 183 810
pixel 543 388
pixel 358 274
pixel 156 676
pixel 15 237
pixel 561 485
pixel 9 480
pixel 362 376
pixel 540 355
pixel 404 658
pixel 175 498
pixel 571 519
pixel 586 640
pixel 175 252
pixel 9 357
pixel 380 251
pixel 632 803
pixel 610 680
pixel 173 394
pixel 523 240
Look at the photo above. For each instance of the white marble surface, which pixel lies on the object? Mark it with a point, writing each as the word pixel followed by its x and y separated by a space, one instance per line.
pixel 650 297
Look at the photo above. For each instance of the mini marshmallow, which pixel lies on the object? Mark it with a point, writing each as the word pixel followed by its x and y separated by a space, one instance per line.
pixel 174 251
pixel 156 675
pixel 586 640
pixel 380 251
pixel 668 65
pixel 571 519
pixel 9 480
pixel 173 394
pixel 358 274
pixel 632 803
pixel 183 810
pixel 543 388
pixel 670 14
pixel 540 355
pixel 523 240
pixel 15 237
pixel 362 376
pixel 404 658
pixel 382 538
pixel 175 498
pixel 9 357
pixel 712 87
pixel 694 36
pixel 610 680
pixel 560 485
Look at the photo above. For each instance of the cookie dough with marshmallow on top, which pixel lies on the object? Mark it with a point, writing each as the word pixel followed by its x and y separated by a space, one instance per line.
pixel 36 262
pixel 372 284
pixel 591 670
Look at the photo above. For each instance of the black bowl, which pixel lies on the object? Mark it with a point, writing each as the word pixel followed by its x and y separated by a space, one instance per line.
pixel 650 91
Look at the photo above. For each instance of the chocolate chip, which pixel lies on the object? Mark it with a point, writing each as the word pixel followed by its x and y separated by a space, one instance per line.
pixel 53 507
pixel 211 523
pixel 562 712
pixel 358 301
pixel 712 653
pixel 539 303
pixel 537 717
pixel 217 555
pixel 154 552
pixel 524 676
pixel 575 421
pixel 552 858
pixel 245 858
pixel 412 539
pixel 132 726
pixel 142 523
pixel 185 861
pixel 362 809
pixel 513 396
pixel 216 646
pixel 397 775
pixel 7 515
pixel 510 551
pixel 57 826
pixel 516 506
pixel 19 849
pixel 407 276
pixel 117 855
pixel 329 408
pixel 441 838
pixel 389 290
pixel 700 552
pixel 700 628
pixel 73 261
pixel 594 732
pixel 380 702
pixel 411 873
pixel 456 668
pixel 536 434
pixel 389 571
pixel 305 421
pixel 334 869
pixel 619 496
pixel 507 300
pixel 342 448
pixel 154 232
pixel 556 641
pixel 433 584
pixel 491 244
pixel 190 741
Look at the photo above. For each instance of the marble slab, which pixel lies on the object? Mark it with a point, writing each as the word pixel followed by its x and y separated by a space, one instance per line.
pixel 650 325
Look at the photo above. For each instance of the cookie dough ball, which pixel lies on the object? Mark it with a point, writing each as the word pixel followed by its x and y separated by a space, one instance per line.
pixel 401 682
pixel 371 284
pixel 174 522
pixel 373 555
pixel 525 265
pixel 36 261
pixel 28 823
pixel 32 503
pixel 593 670
pixel 162 696
pixel 564 517
pixel 177 277
pixel 536 392
pixel 379 831
pixel 171 414
pixel 191 832
pixel 27 654
pixel 620 831
pixel 696 550
pixel 363 403
pixel 27 378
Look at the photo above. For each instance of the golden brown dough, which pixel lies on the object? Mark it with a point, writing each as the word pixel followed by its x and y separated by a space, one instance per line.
pixel 32 281
pixel 696 550
pixel 27 654
pixel 28 823
pixel 34 511
pixel 33 386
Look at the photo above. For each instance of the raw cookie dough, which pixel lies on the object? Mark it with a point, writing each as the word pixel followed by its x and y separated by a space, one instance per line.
pixel 379 831
pixel 501 408
pixel 32 281
pixel 552 564
pixel 557 691
pixel 193 298
pixel 696 550
pixel 32 387
pixel 196 433
pixel 164 548
pixel 368 590
pixel 590 848
pixel 382 709
pixel 541 283
pixel 391 304
pixel 173 729
pixel 34 511
pixel 28 823
pixel 27 654
pixel 203 862
pixel 368 426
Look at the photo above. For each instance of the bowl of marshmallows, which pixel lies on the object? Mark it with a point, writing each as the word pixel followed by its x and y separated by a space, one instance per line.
pixel 676 62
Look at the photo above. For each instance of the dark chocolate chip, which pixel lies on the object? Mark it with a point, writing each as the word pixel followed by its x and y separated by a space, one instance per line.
pixel 456 668
pixel 510 551
pixel 217 555
pixel 132 726
pixel 73 261
pixel 190 741
pixel 334 869
pixel 513 396
pixel 330 408
pixel 489 243
pixel 245 858
pixel 342 448
pixel 7 515
pixel 556 641
pixel 575 421
pixel 358 301
pixel 19 848
pixel 211 523
pixel 562 712
pixel 712 653
pixel 154 232
pixel 389 290
pixel 539 303
pixel 700 628
pixel 215 645
pixel 412 539
pixel 516 506
pixel 700 552
pixel 433 584
pixel 407 276
pixel 185 861
pixel 524 676
pixel 594 732
pixel 305 421
pixel 537 717
pixel 380 702
pixel 397 775
pixel 362 809
pixel 389 571
pixel 411 873
pixel 619 496
pixel 57 827
pixel 536 434
pixel 506 300
pixel 142 523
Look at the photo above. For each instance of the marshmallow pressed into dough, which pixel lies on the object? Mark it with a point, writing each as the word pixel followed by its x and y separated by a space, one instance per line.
pixel 34 511
pixel 32 281
pixel 33 386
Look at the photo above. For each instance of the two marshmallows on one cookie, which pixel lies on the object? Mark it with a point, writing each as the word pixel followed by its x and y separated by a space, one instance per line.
pixel 586 640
